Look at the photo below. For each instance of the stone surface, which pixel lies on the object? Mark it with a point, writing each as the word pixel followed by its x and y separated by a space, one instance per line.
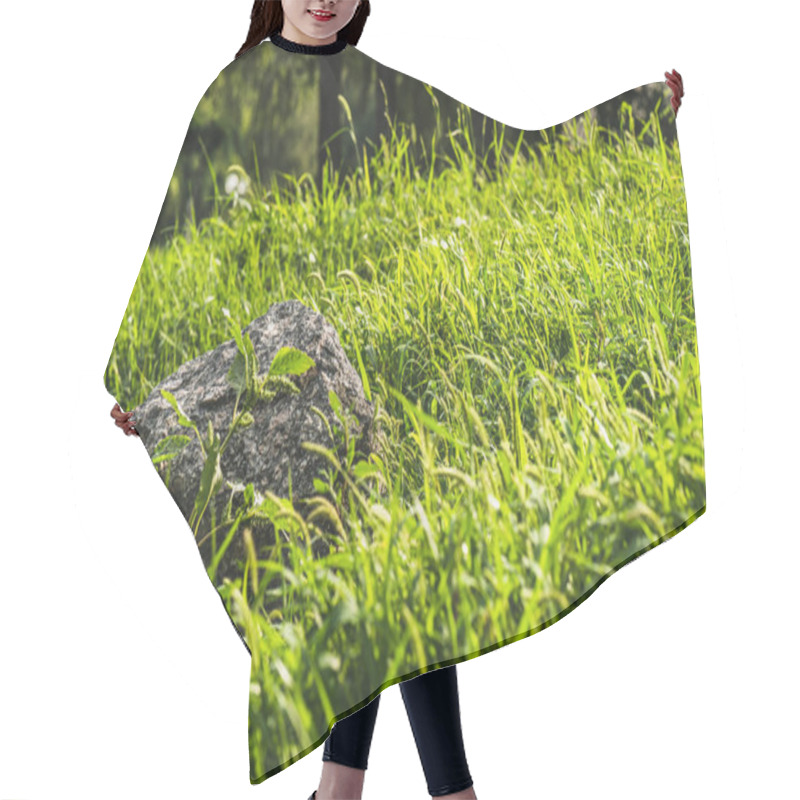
pixel 264 452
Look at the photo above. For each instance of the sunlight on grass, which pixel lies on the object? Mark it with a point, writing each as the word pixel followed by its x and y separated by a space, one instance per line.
pixel 528 336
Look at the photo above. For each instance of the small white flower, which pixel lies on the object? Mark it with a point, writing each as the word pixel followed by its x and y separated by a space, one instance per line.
pixel 460 222
pixel 231 183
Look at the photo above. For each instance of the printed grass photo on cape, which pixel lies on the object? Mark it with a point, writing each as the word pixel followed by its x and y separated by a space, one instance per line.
pixel 418 380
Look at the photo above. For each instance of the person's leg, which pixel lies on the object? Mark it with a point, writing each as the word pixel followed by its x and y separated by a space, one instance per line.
pixel 433 710
pixel 346 753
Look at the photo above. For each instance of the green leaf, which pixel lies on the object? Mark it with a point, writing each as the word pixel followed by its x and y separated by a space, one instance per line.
pixel 182 418
pixel 290 361
pixel 169 447
pixel 210 478
pixel 364 468
pixel 237 334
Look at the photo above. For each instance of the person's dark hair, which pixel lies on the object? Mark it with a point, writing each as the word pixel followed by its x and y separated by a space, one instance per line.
pixel 266 18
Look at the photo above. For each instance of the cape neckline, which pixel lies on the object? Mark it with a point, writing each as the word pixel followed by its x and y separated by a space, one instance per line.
pixel 315 49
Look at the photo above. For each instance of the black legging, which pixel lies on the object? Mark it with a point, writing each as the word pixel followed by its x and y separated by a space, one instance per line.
pixel 432 706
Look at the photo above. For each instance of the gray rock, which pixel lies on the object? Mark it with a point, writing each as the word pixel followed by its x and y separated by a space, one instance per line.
pixel 265 452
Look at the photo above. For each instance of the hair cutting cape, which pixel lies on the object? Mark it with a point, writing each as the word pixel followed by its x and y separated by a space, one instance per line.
pixel 419 381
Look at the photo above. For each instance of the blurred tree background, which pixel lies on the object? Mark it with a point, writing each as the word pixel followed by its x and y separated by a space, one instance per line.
pixel 273 114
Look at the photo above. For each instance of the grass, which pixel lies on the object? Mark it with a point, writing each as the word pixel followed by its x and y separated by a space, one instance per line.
pixel 527 335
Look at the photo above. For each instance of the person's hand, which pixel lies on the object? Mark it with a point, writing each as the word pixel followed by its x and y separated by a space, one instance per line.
pixel 122 419
pixel 675 82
